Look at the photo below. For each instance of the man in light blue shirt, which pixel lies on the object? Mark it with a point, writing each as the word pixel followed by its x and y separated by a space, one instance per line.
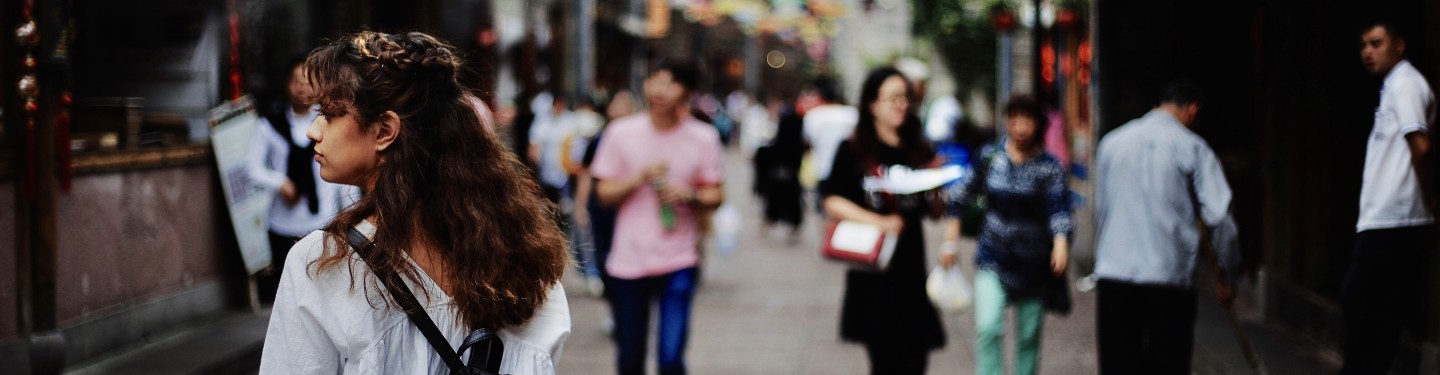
pixel 1155 179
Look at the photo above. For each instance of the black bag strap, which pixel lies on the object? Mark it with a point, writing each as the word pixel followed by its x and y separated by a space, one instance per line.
pixel 987 157
pixel 494 348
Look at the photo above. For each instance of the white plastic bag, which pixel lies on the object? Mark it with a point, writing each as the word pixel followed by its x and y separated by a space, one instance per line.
pixel 948 289
pixel 726 225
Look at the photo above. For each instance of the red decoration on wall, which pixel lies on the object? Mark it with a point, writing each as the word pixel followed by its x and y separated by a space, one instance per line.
pixel 1047 63
pixel 63 166
pixel 1067 18
pixel 1003 20
pixel 27 36
pixel 235 89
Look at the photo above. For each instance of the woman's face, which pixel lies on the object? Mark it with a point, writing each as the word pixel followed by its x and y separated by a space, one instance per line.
pixel 1021 128
pixel 346 153
pixel 299 87
pixel 892 104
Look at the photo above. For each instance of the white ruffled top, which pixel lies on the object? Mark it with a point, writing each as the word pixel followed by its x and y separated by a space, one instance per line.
pixel 321 325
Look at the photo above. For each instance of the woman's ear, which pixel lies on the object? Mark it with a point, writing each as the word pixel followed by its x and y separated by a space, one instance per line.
pixel 387 130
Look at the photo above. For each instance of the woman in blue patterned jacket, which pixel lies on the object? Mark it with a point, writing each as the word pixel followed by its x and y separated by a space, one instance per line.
pixel 1024 240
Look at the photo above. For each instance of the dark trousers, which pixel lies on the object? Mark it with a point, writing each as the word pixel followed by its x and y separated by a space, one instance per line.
pixel 279 248
pixel 1145 329
pixel 602 233
pixel 897 360
pixel 1383 292
pixel 553 194
pixel 630 303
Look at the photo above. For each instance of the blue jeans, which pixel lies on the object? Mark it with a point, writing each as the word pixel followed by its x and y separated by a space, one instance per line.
pixel 630 304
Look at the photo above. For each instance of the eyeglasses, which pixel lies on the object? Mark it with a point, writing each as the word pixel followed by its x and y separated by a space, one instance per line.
pixel 896 99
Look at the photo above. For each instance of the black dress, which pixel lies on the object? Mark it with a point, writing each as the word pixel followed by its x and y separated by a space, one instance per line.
pixel 889 308
pixel 780 163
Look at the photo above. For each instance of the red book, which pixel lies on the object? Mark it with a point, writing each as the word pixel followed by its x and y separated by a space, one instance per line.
pixel 863 245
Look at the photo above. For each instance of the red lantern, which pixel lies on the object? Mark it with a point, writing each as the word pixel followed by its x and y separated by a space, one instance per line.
pixel 1003 20
pixel 1067 18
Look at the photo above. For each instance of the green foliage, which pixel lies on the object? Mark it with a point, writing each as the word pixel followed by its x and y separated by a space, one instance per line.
pixel 961 32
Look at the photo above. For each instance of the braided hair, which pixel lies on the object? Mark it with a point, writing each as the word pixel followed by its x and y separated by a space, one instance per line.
pixel 445 182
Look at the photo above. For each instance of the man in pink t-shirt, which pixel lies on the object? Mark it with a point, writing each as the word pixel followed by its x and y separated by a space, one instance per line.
pixel 661 167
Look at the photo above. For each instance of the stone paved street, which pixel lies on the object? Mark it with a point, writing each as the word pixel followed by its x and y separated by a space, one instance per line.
pixel 772 307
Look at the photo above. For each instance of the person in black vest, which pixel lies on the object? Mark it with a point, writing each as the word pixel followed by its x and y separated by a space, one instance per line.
pixel 282 159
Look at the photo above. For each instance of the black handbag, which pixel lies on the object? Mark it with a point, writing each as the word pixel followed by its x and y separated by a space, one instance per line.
pixel 479 339
pixel 972 211
pixel 1057 295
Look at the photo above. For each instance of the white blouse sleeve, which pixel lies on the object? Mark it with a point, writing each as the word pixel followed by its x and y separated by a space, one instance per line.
pixel 296 341
pixel 257 163
pixel 535 347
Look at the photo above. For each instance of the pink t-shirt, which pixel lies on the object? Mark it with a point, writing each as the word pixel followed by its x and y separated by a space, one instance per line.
pixel 692 153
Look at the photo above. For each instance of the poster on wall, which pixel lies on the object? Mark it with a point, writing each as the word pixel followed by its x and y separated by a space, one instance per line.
pixel 232 128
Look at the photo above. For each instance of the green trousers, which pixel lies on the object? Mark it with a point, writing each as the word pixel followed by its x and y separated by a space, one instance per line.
pixel 990 303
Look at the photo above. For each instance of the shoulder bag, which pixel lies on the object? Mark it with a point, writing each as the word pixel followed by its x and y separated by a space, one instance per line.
pixel 479 339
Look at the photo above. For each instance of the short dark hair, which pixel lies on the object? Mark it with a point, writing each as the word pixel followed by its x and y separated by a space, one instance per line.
pixel 1029 107
pixel 282 77
pixel 1394 29
pixel 684 71
pixel 825 86
pixel 295 62
pixel 1182 93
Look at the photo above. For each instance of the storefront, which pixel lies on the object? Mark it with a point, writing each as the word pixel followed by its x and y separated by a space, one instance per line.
pixel 115 227
pixel 1289 110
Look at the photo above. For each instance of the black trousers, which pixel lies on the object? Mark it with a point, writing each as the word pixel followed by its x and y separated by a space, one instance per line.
pixel 1145 329
pixel 279 249
pixel 1383 292
pixel 897 360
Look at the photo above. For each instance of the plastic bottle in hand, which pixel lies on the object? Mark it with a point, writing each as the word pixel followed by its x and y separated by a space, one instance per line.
pixel 667 213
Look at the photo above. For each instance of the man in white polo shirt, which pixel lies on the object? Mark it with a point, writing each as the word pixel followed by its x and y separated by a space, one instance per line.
pixel 1396 230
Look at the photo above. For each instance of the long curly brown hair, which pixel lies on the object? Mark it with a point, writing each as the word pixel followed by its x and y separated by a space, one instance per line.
pixel 446 176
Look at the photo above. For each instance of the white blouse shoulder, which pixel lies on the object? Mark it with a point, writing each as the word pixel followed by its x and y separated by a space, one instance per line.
pixel 331 322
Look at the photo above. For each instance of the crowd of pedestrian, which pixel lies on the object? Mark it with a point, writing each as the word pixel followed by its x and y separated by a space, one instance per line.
pixel 390 174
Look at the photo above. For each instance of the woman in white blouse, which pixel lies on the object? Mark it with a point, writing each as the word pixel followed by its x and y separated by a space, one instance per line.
pixel 449 210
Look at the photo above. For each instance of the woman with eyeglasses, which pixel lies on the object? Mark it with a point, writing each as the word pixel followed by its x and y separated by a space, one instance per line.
pixel 887 311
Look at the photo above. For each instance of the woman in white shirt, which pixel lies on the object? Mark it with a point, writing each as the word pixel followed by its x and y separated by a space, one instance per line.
pixel 449 211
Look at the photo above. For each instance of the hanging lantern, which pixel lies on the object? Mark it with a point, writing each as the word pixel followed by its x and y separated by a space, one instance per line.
pixel 1003 19
pixel 27 35
pixel 1067 18
pixel 29 88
